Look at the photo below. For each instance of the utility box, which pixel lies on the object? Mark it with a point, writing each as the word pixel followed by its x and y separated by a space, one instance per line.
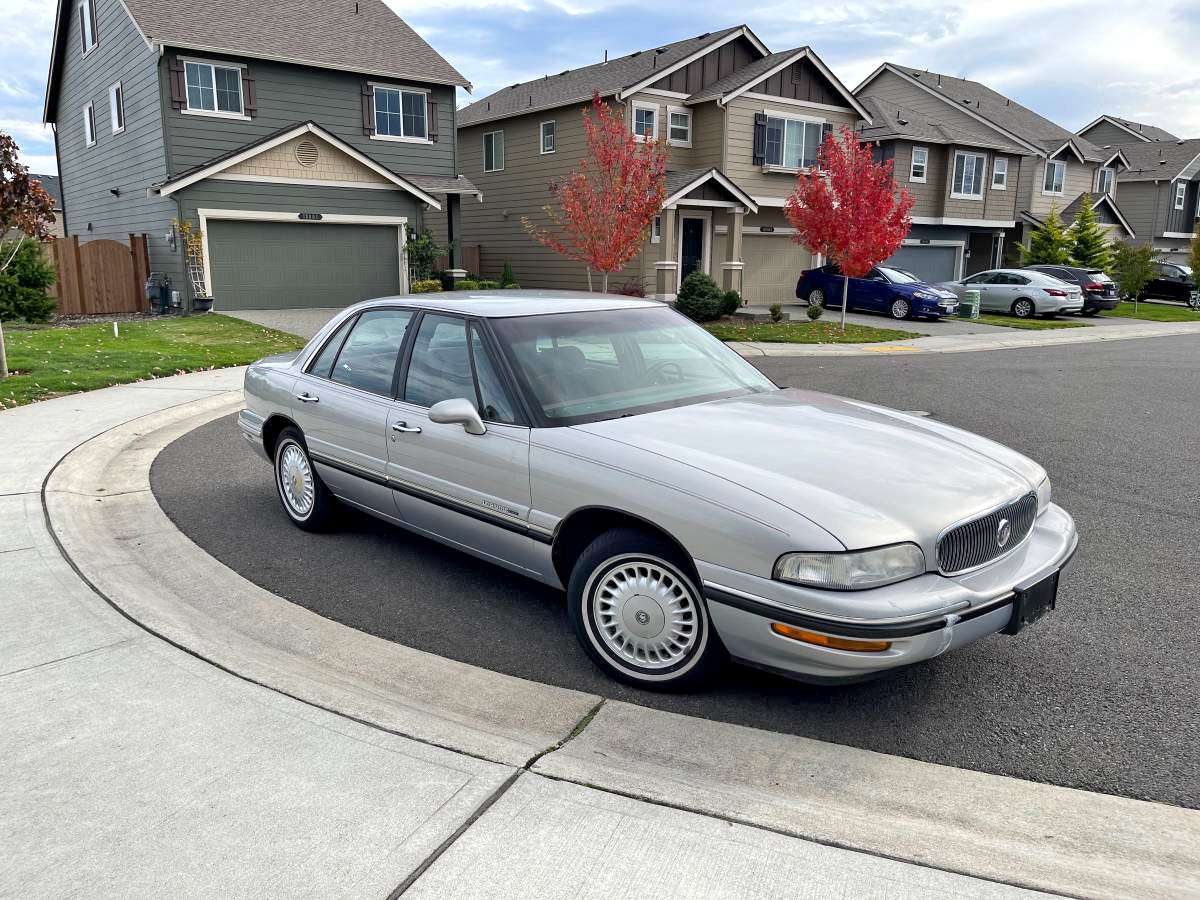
pixel 969 308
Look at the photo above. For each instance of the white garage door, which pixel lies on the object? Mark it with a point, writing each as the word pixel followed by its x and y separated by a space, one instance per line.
pixel 773 263
pixel 932 263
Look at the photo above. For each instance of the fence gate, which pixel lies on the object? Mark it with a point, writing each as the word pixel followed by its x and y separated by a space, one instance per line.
pixel 100 276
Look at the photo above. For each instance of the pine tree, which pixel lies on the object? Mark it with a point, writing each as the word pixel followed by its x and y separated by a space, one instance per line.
pixel 1089 243
pixel 1048 244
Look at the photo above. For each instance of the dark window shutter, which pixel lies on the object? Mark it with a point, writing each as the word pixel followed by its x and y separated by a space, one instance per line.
pixel 826 130
pixel 178 85
pixel 368 108
pixel 249 94
pixel 760 139
pixel 431 119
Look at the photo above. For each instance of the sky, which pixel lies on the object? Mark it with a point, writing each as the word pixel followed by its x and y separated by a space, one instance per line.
pixel 1069 60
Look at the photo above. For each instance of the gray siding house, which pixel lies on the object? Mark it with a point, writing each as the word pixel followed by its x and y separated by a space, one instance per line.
pixel 1160 194
pixel 300 141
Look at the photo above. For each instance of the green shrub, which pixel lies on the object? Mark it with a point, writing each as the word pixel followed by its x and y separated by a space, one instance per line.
pixel 423 253
pixel 509 287
pixel 489 285
pixel 731 302
pixel 699 298
pixel 426 286
pixel 814 311
pixel 776 312
pixel 467 284
pixel 24 283
pixel 506 276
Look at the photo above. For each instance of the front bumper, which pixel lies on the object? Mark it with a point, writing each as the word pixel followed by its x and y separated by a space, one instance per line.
pixel 922 617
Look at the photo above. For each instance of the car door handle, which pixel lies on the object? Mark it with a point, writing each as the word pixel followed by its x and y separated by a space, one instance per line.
pixel 308 398
pixel 403 427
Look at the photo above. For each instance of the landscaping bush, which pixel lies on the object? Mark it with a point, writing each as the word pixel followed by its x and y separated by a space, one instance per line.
pixel 632 288
pixel 506 276
pixel 509 287
pixel 426 286
pixel 24 283
pixel 467 284
pixel 699 298
pixel 489 285
pixel 423 252
pixel 731 302
pixel 776 312
pixel 814 311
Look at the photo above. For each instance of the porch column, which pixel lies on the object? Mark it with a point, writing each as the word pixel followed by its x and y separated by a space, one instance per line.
pixel 731 268
pixel 667 268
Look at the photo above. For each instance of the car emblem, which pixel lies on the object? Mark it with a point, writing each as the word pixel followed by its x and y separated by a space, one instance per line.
pixel 1003 533
pixel 642 616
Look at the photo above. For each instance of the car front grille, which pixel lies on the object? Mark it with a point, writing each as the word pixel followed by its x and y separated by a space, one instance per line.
pixel 977 542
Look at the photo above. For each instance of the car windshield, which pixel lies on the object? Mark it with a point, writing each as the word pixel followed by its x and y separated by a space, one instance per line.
pixel 898 276
pixel 589 366
pixel 1187 270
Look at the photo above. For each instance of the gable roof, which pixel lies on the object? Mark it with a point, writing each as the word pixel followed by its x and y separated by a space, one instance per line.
pixel 329 35
pixel 891 121
pixel 614 77
pixel 991 108
pixel 1071 211
pixel 1160 160
pixel 683 182
pixel 1137 130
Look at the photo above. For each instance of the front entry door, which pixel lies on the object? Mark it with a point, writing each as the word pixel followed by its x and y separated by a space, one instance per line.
pixel 691 249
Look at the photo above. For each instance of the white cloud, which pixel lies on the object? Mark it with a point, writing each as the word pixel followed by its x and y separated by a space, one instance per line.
pixel 40 163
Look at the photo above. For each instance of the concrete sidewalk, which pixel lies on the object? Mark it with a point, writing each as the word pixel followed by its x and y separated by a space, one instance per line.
pixel 281 754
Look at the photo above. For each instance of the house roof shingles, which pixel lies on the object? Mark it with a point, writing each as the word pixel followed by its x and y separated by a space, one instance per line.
pixel 1159 160
pixel 51 186
pixel 892 121
pixel 1150 132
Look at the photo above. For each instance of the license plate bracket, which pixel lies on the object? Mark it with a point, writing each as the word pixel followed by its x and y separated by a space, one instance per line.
pixel 1033 603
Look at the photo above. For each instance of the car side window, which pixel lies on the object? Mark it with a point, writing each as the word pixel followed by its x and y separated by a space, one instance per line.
pixel 981 278
pixel 1017 279
pixel 495 404
pixel 322 365
pixel 440 368
pixel 368 359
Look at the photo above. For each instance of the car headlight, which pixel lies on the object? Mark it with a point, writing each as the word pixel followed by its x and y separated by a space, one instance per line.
pixel 1043 493
pixel 924 295
pixel 852 571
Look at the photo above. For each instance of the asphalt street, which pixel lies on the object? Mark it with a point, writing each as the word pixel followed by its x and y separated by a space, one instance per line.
pixel 1104 694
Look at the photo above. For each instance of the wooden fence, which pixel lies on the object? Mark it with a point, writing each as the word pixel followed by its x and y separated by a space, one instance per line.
pixel 100 276
pixel 468 259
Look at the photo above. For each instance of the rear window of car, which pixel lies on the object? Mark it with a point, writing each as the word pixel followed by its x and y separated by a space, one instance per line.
pixel 1099 277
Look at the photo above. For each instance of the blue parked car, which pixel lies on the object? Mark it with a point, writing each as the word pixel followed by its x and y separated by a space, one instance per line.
pixel 885 289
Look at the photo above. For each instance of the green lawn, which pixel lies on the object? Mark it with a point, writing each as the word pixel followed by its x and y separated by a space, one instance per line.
pixel 54 360
pixel 1031 324
pixel 1155 312
pixel 806 333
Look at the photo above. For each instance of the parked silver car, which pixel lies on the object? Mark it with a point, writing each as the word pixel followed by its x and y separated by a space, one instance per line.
pixel 689 506
pixel 1022 292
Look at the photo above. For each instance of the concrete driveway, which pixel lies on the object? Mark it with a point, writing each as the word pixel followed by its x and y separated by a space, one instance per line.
pixel 304 322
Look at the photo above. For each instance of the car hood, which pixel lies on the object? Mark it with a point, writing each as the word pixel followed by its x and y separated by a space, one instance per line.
pixel 940 292
pixel 867 475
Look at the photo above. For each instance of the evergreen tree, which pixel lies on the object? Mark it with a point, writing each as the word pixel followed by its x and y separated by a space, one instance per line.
pixel 1194 262
pixel 1089 243
pixel 1048 244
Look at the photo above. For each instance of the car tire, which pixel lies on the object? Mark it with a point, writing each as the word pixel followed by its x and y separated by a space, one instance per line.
pixel 1090 312
pixel 305 498
pixel 619 595
pixel 1024 309
pixel 816 297
pixel 901 308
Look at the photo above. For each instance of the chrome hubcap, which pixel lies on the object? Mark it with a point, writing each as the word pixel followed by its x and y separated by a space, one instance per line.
pixel 646 614
pixel 900 309
pixel 816 298
pixel 296 480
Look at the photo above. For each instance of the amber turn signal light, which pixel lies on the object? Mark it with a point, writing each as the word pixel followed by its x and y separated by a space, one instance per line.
pixel 825 640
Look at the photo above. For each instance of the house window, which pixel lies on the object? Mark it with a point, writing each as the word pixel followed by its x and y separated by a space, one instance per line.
pixel 89 125
pixel 656 230
pixel 87 24
pixel 1104 180
pixel 1180 193
pixel 116 107
pixel 400 115
pixel 213 90
pixel 793 143
pixel 549 137
pixel 1000 173
pixel 1056 173
pixel 493 151
pixel 679 126
pixel 968 175
pixel 645 121
pixel 920 165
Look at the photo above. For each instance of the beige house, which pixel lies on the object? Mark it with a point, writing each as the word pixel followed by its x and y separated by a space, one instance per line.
pixel 740 122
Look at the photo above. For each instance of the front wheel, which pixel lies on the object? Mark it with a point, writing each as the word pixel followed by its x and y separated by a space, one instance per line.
pixel 1024 309
pixel 1090 312
pixel 639 614
pixel 305 499
pixel 816 297
pixel 900 308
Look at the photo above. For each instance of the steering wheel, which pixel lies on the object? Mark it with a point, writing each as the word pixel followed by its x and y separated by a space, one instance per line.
pixel 667 369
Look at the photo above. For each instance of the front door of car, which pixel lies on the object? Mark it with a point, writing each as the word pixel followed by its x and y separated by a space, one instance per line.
pixel 981 283
pixel 468 489
pixel 874 291
pixel 341 403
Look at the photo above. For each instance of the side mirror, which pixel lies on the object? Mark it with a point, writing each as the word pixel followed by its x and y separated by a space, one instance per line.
pixel 458 411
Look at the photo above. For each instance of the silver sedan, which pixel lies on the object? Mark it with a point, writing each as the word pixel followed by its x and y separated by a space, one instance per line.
pixel 691 509
pixel 1022 292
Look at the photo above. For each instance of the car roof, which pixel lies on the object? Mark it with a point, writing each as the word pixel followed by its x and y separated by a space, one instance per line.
pixel 509 302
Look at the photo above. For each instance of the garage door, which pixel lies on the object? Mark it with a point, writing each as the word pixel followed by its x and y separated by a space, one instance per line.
pixel 930 263
pixel 773 264
pixel 280 265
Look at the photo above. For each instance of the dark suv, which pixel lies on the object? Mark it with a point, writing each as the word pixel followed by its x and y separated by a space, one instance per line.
pixel 1099 291
pixel 1171 281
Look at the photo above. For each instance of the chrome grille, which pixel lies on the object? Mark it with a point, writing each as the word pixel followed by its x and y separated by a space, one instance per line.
pixel 976 543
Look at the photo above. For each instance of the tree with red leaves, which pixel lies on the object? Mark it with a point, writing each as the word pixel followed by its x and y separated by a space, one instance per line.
pixel 25 207
pixel 848 209
pixel 606 207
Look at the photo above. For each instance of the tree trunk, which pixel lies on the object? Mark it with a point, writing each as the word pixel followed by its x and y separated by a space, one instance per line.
pixel 590 288
pixel 604 284
pixel 3 355
pixel 845 299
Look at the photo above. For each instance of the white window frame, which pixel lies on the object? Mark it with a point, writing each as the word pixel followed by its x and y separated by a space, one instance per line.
pixel 116 105
pixel 679 111
pixel 650 107
pixel 656 230
pixel 803 121
pixel 89 124
pixel 924 164
pixel 88 26
pixel 978 171
pixel 1000 168
pixel 492 135
pixel 1054 164
pixel 553 137
pixel 214 113
pixel 1112 179
pixel 402 89
pixel 1180 194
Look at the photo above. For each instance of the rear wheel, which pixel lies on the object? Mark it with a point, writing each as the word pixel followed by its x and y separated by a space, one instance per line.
pixel 1024 309
pixel 1090 312
pixel 304 496
pixel 900 308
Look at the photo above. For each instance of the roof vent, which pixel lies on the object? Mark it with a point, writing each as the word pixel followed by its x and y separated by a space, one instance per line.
pixel 307 154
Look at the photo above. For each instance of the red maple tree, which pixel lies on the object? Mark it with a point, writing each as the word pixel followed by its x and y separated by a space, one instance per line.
pixel 605 207
pixel 848 209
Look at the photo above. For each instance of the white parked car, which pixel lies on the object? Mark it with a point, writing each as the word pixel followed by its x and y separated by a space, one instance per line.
pixel 1022 292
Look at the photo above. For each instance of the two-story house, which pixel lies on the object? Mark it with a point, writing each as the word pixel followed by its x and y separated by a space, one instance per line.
pixel 739 122
pixel 299 140
pixel 985 170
